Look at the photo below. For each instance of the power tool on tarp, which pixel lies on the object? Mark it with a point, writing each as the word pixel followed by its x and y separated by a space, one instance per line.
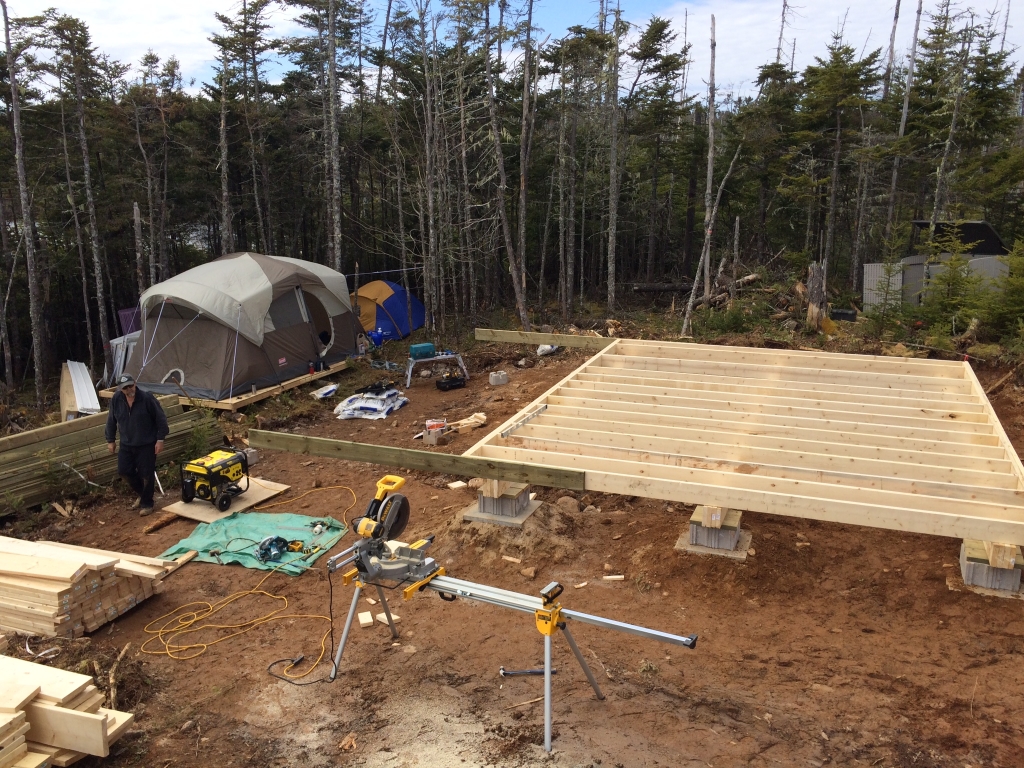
pixel 379 561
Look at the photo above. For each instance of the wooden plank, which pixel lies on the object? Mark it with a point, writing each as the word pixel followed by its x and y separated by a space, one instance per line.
pixel 241 401
pixel 141 559
pixel 55 685
pixel 466 466
pixel 11 754
pixel 32 760
pixel 16 734
pixel 928 419
pixel 850 478
pixel 1001 555
pixel 783 397
pixel 802 375
pixel 42 567
pixel 755 420
pixel 819 501
pixel 10 723
pixel 712 446
pixel 117 723
pixel 1004 440
pixel 792 358
pixel 699 382
pixel 259 491
pixel 68 729
pixel 804 436
pixel 94 560
pixel 533 338
pixel 710 517
pixel 541 400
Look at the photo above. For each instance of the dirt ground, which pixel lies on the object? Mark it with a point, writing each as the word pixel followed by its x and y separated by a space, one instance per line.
pixel 851 651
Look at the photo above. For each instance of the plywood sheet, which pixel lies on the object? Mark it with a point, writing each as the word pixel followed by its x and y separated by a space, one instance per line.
pixel 259 491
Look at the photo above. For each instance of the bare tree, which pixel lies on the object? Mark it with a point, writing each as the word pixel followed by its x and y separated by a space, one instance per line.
pixel 499 159
pixel 77 65
pixel 226 234
pixel 892 52
pixel 332 86
pixel 903 122
pixel 613 160
pixel 35 308
pixel 708 218
pixel 139 270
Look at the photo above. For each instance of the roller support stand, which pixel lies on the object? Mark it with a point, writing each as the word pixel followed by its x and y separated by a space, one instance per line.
pixel 348 627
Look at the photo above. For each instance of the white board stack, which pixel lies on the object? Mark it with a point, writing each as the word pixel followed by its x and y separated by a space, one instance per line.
pixel 60 590
pixel 50 716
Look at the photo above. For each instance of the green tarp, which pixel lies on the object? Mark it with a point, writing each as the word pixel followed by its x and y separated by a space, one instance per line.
pixel 236 538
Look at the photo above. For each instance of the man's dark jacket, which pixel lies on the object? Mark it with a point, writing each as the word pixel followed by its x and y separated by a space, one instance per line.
pixel 143 424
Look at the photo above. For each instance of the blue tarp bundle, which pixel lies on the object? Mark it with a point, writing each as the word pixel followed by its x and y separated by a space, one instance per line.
pixel 236 538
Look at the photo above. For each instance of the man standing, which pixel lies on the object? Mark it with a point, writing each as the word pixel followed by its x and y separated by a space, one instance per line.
pixel 143 426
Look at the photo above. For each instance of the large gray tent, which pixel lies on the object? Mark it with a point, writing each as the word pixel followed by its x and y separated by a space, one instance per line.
pixel 242 320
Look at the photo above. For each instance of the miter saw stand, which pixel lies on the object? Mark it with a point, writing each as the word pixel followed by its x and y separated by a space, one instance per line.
pixel 379 562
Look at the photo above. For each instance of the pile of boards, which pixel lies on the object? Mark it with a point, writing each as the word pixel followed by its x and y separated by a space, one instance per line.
pixel 43 464
pixel 49 716
pixel 52 589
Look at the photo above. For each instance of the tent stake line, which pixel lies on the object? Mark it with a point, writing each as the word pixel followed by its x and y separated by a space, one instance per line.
pixel 241 401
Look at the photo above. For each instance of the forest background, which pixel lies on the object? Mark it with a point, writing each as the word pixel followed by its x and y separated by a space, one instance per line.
pixel 456 147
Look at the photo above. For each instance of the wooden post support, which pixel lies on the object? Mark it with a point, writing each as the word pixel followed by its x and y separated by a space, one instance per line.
pixel 1001 555
pixel 494 489
pixel 977 570
pixel 711 517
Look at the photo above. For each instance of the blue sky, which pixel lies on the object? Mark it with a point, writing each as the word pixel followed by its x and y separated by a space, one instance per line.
pixel 747 30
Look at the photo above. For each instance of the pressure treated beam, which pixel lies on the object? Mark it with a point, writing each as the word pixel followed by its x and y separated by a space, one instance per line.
pixel 467 466
pixel 557 339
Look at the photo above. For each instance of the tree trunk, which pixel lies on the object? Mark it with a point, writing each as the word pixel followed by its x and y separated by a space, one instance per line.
pixel 903 124
pixel 35 307
pixel 226 239
pixel 815 295
pixel 691 199
pixel 735 259
pixel 887 81
pixel 139 260
pixel 332 84
pixel 563 242
pixel 940 175
pixel 711 168
pixel 5 335
pixel 830 226
pixel 652 211
pixel 613 162
pixel 499 158
pixel 524 145
pixel 78 241
pixel 149 198
pixel 705 254
pixel 90 207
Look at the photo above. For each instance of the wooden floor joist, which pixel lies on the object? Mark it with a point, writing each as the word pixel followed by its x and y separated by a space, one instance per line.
pixel 889 442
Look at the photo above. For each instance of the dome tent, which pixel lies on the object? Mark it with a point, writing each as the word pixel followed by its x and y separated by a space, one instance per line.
pixel 384 305
pixel 239 321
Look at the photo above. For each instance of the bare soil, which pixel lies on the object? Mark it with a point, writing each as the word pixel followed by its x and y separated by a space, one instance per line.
pixel 851 651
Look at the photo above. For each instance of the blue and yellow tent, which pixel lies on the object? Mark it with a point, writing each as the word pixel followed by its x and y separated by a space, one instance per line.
pixel 383 305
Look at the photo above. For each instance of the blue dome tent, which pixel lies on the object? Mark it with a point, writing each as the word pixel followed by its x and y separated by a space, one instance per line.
pixel 384 306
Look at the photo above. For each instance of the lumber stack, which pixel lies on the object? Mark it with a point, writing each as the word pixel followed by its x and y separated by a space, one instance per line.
pixel 53 717
pixel 52 589
pixel 37 465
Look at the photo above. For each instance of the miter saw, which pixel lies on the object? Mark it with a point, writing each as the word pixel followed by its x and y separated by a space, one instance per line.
pixel 376 559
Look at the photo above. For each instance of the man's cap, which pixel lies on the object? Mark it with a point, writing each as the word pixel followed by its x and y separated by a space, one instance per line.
pixel 124 380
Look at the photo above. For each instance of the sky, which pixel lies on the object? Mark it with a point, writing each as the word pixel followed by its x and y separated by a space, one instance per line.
pixel 746 30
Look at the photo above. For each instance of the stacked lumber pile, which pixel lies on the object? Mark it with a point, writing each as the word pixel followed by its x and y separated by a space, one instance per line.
pixel 53 589
pixel 53 717
pixel 39 465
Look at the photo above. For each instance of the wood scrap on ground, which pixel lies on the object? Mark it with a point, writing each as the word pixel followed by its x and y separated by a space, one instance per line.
pixel 61 590
pixel 52 716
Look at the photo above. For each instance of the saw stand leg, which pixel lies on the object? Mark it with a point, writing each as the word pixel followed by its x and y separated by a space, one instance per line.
pixel 547 679
pixel 352 614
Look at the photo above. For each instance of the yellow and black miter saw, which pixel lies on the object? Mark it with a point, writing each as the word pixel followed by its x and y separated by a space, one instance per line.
pixel 377 560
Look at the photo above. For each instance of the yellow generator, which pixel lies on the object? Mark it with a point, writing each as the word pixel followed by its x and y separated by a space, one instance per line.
pixel 215 478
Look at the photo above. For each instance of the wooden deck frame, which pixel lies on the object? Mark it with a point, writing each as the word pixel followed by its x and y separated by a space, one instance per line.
pixel 888 442
pixel 241 401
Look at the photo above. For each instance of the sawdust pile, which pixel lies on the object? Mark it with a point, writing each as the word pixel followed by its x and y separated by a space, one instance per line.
pixel 549 534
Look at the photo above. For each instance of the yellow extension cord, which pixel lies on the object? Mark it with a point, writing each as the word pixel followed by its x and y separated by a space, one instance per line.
pixel 182 621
